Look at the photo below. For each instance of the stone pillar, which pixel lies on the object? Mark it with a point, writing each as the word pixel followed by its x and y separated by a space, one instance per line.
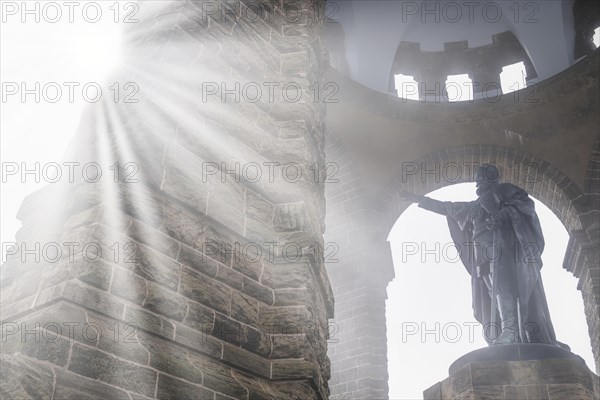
pixel 432 85
pixel 358 334
pixel 486 78
pixel 582 260
pixel 582 257
pixel 359 265
pixel 197 271
pixel 590 288
pixel 589 277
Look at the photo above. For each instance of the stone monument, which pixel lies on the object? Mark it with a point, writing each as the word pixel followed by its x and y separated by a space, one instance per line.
pixel 500 243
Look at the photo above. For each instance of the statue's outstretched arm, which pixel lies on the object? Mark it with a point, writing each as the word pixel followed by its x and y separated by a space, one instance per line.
pixel 436 206
pixel 429 204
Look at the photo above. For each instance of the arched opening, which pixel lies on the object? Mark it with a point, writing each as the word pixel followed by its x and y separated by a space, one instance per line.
pixel 407 87
pixel 513 77
pixel 428 311
pixel 459 88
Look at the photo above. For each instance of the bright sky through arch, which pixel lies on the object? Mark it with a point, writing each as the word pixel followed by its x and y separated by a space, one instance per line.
pixel 407 87
pixel 513 77
pixel 459 88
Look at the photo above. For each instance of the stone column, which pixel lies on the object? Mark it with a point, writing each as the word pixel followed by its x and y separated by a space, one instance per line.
pixel 582 260
pixel 358 333
pixel 589 278
pixel 590 288
pixel 486 78
pixel 359 264
pixel 432 83
pixel 197 270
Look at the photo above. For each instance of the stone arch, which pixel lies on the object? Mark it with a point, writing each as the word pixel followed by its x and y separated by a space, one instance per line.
pixel 539 178
pixel 587 18
pixel 550 186
pixel 360 220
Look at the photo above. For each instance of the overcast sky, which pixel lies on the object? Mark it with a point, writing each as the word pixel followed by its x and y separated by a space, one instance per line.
pixel 422 295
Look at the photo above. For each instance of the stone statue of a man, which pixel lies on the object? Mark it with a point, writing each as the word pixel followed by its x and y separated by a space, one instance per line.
pixel 500 230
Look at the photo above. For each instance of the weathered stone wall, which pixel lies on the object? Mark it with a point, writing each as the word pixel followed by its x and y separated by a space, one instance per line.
pixel 203 282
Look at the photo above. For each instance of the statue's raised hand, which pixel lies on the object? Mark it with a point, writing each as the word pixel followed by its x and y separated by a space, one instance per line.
pixel 409 196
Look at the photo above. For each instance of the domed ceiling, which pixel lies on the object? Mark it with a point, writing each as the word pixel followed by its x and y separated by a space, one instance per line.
pixel 366 39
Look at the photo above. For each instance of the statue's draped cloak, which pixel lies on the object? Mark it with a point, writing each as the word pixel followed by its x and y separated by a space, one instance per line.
pixel 524 221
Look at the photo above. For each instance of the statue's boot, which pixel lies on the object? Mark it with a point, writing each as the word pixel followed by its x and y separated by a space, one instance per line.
pixel 507 306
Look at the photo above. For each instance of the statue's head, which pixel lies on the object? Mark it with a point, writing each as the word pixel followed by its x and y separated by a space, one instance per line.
pixel 486 176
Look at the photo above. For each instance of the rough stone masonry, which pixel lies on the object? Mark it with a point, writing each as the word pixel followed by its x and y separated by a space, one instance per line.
pixel 192 280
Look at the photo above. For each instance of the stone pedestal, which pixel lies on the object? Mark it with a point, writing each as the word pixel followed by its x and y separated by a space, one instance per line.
pixel 517 372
